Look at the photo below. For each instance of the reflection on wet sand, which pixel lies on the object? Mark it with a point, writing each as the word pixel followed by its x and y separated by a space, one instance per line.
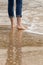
pixel 10 49
pixel 14 51
pixel 18 46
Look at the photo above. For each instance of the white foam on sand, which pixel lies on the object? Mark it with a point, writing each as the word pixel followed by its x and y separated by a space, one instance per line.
pixel 33 29
pixel 35 32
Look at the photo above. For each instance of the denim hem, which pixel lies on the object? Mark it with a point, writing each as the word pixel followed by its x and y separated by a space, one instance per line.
pixel 11 16
pixel 18 15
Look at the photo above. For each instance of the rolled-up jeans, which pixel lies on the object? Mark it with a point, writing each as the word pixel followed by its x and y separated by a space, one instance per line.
pixel 18 8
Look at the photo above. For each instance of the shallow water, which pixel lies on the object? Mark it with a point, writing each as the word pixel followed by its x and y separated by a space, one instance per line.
pixel 19 47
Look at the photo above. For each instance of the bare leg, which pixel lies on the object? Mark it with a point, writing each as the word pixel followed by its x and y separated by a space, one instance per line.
pixel 19 24
pixel 12 22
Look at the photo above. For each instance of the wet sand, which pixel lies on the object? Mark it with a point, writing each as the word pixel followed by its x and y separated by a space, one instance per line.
pixel 18 47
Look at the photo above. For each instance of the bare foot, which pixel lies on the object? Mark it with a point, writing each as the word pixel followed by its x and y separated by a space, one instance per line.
pixel 19 24
pixel 12 26
pixel 20 27
pixel 12 22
